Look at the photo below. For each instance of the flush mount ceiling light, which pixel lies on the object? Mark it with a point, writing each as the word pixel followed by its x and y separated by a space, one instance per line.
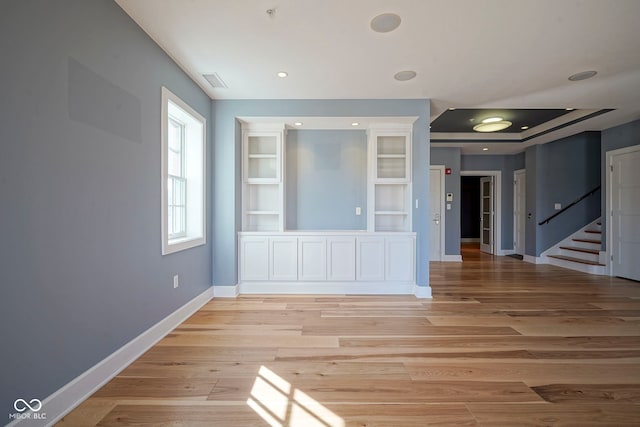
pixel 485 149
pixel 282 74
pixel 297 124
pixel 403 76
pixel 492 124
pixel 385 22
pixel 583 75
pixel 355 124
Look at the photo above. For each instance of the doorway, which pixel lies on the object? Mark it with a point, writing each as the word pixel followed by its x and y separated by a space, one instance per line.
pixel 519 210
pixel 487 210
pixel 623 208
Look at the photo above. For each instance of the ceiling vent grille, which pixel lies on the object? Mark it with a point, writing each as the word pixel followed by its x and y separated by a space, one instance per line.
pixel 215 80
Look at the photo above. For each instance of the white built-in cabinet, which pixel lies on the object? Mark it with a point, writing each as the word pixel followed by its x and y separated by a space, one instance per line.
pixel 380 259
pixel 327 257
pixel 263 187
pixel 389 182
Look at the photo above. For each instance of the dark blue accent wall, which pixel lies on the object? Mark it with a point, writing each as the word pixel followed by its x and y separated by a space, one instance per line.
pixel 565 170
pixel 82 270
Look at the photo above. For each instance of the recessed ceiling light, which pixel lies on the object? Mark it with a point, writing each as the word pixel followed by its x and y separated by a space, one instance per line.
pixel 282 74
pixel 569 109
pixel 524 127
pixel 355 124
pixel 451 108
pixel 385 22
pixel 492 124
pixel 298 123
pixel 485 149
pixel 583 75
pixel 403 76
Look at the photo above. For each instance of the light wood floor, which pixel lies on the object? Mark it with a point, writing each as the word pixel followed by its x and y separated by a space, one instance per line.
pixel 502 343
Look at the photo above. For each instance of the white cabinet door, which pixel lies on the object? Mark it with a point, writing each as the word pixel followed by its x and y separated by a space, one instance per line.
pixel 254 258
pixel 370 258
pixel 284 258
pixel 399 256
pixel 312 258
pixel 341 258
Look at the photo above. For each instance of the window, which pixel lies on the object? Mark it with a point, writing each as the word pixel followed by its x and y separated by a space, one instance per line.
pixel 183 175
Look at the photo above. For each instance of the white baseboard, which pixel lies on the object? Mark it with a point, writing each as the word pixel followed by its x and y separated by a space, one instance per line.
pixel 226 291
pixel 470 240
pixel 422 291
pixel 534 260
pixel 328 288
pixel 61 402
pixel 452 258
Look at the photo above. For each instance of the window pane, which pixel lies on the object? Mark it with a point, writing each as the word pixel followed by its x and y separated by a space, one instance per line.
pixel 176 145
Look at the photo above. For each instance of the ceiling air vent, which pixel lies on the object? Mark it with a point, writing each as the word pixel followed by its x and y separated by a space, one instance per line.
pixel 215 80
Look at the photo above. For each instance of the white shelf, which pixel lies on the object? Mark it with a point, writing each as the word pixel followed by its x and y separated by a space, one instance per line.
pixel 262 192
pixel 391 213
pixel 390 207
pixel 263 213
pixel 392 156
pixel 263 156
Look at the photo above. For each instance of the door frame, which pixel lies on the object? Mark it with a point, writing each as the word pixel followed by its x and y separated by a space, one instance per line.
pixel 608 213
pixel 443 231
pixel 523 173
pixel 497 195
pixel 490 246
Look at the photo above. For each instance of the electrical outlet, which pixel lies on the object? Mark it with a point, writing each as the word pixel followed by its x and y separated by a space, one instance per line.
pixel 176 281
pixel 358 211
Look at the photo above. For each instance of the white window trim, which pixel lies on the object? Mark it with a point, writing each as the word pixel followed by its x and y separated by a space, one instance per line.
pixel 196 230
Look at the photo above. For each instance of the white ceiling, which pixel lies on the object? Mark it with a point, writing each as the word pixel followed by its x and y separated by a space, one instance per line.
pixel 467 54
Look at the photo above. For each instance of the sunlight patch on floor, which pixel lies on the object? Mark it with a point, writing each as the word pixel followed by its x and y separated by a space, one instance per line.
pixel 281 405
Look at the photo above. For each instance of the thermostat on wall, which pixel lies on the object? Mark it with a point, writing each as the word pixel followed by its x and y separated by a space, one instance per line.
pixel 449 197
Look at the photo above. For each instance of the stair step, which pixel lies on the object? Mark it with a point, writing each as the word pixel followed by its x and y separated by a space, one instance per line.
pixel 578 260
pixel 594 241
pixel 586 251
pixel 593 231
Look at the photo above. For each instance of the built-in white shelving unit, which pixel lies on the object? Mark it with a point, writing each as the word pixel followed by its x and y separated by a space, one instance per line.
pixel 263 189
pixel 389 178
pixel 378 260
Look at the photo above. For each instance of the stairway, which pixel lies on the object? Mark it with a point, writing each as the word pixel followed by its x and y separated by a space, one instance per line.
pixel 580 251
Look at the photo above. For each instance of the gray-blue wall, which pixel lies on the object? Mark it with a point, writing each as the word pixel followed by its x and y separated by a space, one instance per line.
pixel 326 168
pixel 82 270
pixel 615 138
pixel 227 161
pixel 565 170
pixel 450 158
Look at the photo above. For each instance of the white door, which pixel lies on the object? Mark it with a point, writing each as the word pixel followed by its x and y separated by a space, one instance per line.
pixel 486 214
pixel 519 214
pixel 436 213
pixel 625 215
